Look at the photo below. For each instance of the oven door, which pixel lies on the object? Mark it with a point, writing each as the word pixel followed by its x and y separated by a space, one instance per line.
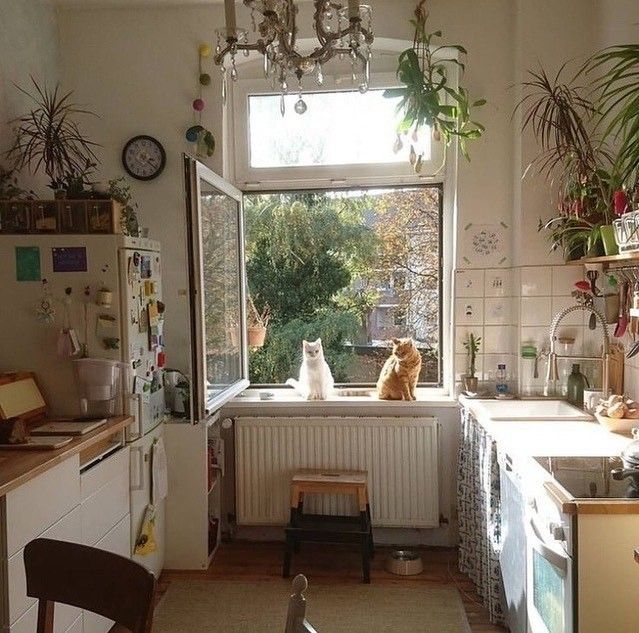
pixel 549 586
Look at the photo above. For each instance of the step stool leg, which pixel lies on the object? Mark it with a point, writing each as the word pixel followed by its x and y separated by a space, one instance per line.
pixel 366 562
pixel 288 555
pixel 370 531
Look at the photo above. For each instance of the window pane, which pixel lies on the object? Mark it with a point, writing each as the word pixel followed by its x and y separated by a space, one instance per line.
pixel 354 267
pixel 338 128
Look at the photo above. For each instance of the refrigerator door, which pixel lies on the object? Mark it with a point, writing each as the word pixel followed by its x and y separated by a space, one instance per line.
pixel 141 485
pixel 142 337
pixel 219 362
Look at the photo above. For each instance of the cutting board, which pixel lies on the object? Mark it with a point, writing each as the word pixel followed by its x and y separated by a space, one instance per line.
pixel 68 427
pixel 39 443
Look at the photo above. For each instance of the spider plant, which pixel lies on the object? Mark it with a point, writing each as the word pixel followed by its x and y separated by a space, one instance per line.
pixel 427 97
pixel 616 89
pixel 48 138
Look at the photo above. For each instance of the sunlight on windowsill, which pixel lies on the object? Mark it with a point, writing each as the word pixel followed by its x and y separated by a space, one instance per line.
pixel 286 398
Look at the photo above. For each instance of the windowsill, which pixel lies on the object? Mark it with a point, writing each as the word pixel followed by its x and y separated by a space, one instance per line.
pixel 285 399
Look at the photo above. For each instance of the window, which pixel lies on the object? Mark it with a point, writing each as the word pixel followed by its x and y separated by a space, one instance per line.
pixel 355 267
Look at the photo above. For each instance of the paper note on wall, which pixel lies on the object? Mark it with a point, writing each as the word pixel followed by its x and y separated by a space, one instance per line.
pixel 28 263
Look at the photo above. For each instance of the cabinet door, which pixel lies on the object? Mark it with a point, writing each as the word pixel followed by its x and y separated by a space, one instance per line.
pixel 41 502
pixel 116 541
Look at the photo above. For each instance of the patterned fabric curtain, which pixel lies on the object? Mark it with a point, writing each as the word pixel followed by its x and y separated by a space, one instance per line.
pixel 478 508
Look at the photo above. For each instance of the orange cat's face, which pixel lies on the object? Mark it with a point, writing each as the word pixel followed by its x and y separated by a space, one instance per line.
pixel 403 347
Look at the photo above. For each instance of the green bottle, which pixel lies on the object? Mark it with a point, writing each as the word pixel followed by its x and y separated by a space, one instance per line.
pixel 577 382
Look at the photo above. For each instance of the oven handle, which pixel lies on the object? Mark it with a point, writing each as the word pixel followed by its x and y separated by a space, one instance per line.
pixel 555 558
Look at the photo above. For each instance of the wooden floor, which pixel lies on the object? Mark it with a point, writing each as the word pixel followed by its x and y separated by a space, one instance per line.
pixel 337 564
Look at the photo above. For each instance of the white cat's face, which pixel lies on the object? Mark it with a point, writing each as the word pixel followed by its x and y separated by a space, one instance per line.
pixel 313 349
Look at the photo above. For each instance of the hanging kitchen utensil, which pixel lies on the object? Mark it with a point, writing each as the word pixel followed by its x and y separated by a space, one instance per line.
pixel 592 278
pixel 622 319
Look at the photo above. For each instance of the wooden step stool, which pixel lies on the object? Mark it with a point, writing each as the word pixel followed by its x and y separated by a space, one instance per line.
pixel 320 528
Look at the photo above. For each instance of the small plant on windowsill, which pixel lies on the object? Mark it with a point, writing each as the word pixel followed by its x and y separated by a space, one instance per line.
pixel 257 323
pixel 472 345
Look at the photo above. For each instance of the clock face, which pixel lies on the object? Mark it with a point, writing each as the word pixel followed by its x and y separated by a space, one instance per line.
pixel 143 157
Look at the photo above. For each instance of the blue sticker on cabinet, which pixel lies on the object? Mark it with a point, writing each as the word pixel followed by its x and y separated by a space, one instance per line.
pixel 69 259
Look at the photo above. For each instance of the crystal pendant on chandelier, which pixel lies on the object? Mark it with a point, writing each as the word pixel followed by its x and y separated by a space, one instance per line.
pixel 342 30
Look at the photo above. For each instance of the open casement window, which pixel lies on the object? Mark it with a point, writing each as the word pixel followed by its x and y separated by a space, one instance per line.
pixel 344 138
pixel 217 284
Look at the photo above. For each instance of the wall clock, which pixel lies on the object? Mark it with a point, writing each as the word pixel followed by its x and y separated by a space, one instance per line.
pixel 143 157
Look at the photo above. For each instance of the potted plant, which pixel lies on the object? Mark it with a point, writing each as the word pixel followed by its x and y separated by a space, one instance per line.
pixel 257 323
pixel 471 344
pixel 9 188
pixel 48 138
pixel 120 191
pixel 428 97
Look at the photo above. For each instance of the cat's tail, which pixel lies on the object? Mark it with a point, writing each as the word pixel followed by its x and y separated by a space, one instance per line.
pixel 291 382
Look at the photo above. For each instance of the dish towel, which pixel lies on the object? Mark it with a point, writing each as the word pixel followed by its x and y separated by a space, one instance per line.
pixel 159 472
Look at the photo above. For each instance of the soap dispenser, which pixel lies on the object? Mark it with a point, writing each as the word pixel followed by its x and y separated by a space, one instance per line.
pixel 577 382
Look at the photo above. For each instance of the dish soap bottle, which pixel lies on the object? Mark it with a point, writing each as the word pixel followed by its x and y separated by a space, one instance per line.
pixel 501 385
pixel 577 382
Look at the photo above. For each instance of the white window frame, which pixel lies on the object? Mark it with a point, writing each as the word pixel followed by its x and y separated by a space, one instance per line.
pixel 236 148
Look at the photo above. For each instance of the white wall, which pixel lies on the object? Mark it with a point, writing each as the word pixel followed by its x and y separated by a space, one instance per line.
pixel 28 47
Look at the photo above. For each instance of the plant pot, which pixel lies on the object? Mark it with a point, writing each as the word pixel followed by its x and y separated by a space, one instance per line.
pixel 470 384
pixel 595 247
pixel 608 239
pixel 256 336
pixel 59 194
pixel 577 251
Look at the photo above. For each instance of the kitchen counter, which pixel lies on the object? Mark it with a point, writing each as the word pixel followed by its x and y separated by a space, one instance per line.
pixel 522 440
pixel 17 467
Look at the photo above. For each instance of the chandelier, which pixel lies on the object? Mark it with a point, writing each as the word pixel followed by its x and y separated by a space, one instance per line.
pixel 343 31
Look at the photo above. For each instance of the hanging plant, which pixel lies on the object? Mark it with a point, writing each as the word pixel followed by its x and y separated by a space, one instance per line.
pixel 428 98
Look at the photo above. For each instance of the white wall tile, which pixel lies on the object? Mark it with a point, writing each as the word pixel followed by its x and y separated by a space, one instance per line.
pixel 498 282
pixel 469 311
pixel 497 311
pixel 536 281
pixel 564 278
pixel 536 311
pixel 537 336
pixel 573 318
pixel 492 360
pixel 497 339
pixel 461 365
pixel 461 334
pixel 469 283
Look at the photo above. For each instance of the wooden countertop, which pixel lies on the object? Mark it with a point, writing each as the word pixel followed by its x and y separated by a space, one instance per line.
pixel 17 467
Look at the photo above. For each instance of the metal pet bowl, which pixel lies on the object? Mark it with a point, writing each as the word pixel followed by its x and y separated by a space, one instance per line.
pixel 404 562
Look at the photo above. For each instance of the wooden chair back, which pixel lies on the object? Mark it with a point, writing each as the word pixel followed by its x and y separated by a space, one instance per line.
pixel 101 582
pixel 296 618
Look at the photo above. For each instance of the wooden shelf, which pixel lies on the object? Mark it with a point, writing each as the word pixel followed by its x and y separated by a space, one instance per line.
pixel 607 259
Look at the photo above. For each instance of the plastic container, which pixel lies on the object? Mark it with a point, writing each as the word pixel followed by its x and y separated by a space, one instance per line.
pixel 99 383
pixel 528 362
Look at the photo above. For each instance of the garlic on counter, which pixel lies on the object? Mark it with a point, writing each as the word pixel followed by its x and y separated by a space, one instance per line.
pixel 618 407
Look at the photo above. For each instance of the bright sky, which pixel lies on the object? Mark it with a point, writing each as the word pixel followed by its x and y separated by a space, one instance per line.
pixel 338 128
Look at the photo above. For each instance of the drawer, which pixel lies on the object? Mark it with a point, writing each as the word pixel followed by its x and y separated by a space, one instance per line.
pixel 97 476
pixel 117 541
pixel 68 528
pixel 61 624
pixel 41 502
pixel 105 508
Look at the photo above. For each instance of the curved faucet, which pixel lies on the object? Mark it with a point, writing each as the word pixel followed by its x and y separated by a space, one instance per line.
pixel 553 372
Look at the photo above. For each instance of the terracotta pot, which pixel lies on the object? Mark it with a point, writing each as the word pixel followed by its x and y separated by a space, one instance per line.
pixel 256 336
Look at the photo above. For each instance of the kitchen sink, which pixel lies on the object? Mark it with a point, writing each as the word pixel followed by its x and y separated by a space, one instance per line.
pixel 531 410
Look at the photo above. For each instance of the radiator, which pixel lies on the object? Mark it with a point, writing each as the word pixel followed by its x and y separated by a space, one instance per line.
pixel 400 455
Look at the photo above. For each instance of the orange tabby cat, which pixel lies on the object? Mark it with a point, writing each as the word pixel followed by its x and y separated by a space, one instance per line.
pixel 398 378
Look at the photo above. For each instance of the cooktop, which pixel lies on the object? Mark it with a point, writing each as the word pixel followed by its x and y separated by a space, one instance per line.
pixel 589 477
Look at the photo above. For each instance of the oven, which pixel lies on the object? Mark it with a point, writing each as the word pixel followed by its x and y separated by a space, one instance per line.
pixel 549 578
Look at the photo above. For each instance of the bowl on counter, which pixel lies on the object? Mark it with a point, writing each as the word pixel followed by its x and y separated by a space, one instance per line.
pixel 617 425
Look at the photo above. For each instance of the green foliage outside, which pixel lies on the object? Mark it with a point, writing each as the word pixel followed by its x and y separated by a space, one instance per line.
pixel 303 251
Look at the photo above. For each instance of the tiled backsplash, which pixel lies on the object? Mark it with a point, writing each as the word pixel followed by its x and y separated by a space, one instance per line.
pixel 509 308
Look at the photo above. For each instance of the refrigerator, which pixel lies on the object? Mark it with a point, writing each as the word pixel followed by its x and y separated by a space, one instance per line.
pixel 107 291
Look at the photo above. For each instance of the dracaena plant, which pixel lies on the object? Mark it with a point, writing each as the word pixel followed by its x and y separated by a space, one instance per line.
pixel 428 98
pixel 48 138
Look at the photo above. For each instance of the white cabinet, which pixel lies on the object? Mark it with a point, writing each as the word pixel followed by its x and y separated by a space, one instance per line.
pixel 92 507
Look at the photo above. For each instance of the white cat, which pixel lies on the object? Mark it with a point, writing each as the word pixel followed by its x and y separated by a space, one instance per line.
pixel 315 381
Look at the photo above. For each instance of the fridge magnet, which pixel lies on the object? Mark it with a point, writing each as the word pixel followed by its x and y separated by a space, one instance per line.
pixel 145 267
pixel 154 325
pixel 70 259
pixel 28 263
pixel 45 310
pixel 143 321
